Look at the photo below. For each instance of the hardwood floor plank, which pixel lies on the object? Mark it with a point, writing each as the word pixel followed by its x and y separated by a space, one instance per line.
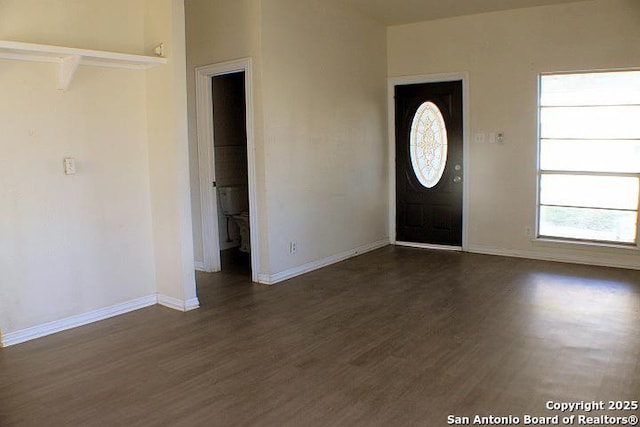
pixel 398 336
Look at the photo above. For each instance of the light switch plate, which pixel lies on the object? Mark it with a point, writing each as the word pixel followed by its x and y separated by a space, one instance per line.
pixel 69 166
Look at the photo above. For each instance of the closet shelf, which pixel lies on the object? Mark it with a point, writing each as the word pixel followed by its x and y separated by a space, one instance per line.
pixel 68 58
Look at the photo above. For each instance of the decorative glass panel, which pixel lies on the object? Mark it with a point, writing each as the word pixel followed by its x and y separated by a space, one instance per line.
pixel 428 144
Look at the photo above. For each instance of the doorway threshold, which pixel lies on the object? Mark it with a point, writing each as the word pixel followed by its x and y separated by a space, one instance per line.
pixel 429 246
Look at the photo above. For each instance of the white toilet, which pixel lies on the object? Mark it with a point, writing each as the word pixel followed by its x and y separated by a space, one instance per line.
pixel 242 220
pixel 235 205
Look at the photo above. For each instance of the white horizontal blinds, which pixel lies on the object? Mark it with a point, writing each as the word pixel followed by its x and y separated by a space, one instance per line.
pixel 590 156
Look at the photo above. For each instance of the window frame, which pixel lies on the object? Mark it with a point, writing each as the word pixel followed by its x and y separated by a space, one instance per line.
pixel 540 172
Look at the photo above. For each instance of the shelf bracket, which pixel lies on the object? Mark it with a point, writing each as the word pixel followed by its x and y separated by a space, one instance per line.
pixel 67 70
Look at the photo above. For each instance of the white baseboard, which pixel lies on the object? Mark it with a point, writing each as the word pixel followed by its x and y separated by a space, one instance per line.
pixel 573 259
pixel 39 331
pixel 178 304
pixel 21 336
pixel 199 266
pixel 314 265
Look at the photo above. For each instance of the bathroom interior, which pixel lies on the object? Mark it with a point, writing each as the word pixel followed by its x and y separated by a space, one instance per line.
pixel 231 171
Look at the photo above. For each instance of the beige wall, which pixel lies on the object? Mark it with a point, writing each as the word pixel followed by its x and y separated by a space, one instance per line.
pixel 169 152
pixel 503 53
pixel 115 231
pixel 86 24
pixel 219 31
pixel 319 96
pixel 325 123
pixel 72 244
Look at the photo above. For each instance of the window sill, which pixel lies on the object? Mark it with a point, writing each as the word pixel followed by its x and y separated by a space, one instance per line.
pixel 583 244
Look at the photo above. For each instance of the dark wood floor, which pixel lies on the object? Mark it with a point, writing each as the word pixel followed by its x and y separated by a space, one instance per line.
pixel 397 337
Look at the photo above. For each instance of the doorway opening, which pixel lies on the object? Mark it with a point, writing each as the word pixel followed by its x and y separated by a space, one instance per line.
pixel 227 167
pixel 231 171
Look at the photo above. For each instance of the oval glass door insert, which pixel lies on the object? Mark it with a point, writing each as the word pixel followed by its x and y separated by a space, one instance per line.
pixel 428 144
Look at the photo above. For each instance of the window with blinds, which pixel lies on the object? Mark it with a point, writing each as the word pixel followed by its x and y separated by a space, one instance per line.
pixel 589 156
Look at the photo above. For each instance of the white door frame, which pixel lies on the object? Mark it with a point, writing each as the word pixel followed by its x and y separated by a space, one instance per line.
pixel 392 82
pixel 206 162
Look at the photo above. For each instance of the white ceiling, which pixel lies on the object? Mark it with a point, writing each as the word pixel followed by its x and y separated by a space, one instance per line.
pixel 394 12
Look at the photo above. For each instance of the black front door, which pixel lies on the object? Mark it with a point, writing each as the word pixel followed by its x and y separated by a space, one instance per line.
pixel 429 161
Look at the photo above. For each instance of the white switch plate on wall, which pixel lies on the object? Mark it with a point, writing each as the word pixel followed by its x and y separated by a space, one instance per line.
pixel 69 166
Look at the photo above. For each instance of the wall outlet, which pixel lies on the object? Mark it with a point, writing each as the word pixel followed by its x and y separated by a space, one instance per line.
pixel 292 247
pixel 527 231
